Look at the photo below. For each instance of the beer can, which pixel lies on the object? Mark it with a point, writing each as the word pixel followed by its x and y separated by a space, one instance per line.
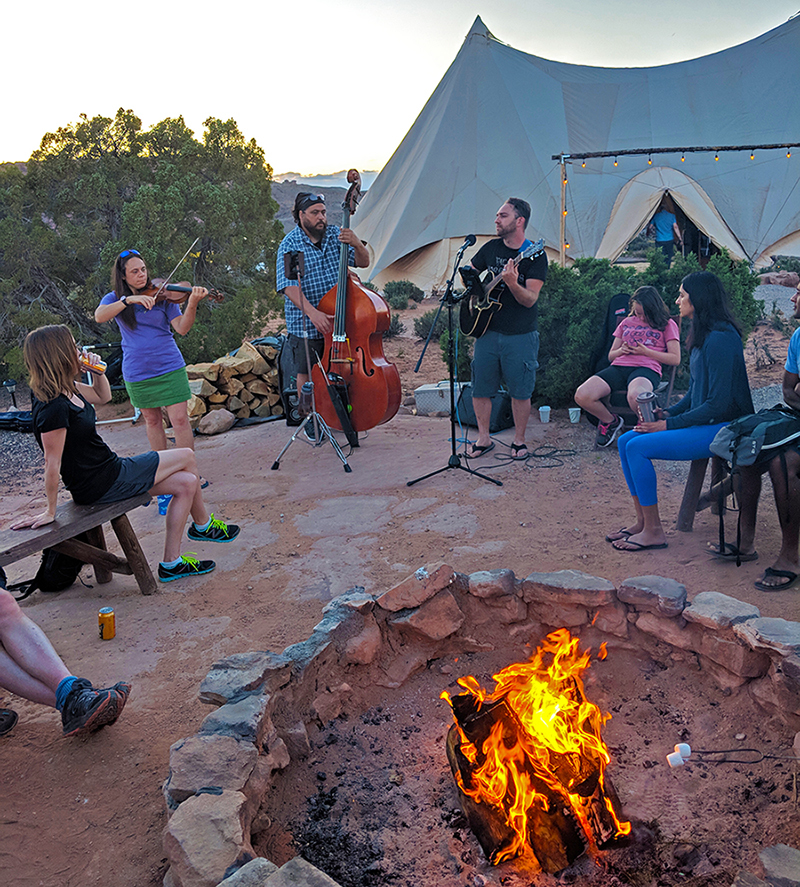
pixel 92 362
pixel 646 402
pixel 107 623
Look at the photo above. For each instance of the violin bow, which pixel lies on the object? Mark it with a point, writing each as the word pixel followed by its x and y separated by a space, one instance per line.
pixel 172 273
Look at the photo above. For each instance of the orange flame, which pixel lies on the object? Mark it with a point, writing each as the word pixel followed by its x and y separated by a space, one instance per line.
pixel 557 740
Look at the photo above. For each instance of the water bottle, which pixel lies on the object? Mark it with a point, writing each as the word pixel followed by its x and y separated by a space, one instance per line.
pixel 305 404
pixel 646 402
pixel 163 503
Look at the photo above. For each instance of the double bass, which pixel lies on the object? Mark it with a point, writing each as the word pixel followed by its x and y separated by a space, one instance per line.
pixel 354 384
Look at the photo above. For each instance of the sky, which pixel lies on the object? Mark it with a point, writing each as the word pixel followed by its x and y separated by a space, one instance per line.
pixel 322 85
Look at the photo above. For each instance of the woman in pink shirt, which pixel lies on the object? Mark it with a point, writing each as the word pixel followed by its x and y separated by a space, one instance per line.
pixel 644 341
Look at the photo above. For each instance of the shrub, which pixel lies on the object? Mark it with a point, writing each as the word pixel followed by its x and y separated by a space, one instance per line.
pixel 422 325
pixel 395 328
pixel 398 292
pixel 463 363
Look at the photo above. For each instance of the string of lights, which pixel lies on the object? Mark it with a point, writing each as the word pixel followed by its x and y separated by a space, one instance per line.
pixel 564 159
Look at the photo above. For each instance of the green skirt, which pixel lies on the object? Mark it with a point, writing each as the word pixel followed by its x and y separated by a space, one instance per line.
pixel 160 391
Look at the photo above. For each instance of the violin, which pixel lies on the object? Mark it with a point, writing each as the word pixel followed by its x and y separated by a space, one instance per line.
pixel 176 292
pixel 356 387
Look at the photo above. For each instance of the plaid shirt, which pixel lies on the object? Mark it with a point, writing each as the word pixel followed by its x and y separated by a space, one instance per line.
pixel 321 273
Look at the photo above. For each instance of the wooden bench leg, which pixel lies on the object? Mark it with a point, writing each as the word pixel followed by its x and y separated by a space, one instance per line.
pixel 96 537
pixel 133 552
pixel 691 493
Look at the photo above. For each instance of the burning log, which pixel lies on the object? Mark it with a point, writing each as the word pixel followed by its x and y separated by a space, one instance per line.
pixel 530 763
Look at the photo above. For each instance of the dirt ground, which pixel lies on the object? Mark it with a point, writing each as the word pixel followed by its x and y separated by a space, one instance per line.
pixel 79 812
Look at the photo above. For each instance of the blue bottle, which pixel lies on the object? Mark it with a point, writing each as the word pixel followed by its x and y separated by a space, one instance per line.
pixel 163 503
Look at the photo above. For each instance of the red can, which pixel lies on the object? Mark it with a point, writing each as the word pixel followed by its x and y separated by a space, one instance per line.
pixel 107 622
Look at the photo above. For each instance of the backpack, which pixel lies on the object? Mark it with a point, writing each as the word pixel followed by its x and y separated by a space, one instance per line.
pixel 756 439
pixel 56 572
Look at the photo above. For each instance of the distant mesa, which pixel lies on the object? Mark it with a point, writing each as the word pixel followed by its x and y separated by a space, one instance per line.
pixel 326 180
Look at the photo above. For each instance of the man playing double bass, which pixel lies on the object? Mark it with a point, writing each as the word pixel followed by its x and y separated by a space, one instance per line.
pixel 509 348
pixel 320 245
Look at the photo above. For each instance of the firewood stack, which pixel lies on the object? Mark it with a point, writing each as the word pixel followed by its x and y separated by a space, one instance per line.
pixel 246 384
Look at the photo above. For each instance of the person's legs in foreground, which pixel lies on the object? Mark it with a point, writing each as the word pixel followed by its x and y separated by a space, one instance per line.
pixel 588 398
pixel 636 452
pixel 786 487
pixel 485 383
pixel 31 668
pixel 519 360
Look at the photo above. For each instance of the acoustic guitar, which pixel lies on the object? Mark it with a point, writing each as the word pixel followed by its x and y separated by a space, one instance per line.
pixel 479 306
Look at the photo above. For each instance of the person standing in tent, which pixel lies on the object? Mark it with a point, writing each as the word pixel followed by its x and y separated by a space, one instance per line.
pixel 666 228
pixel 509 348
pixel 320 245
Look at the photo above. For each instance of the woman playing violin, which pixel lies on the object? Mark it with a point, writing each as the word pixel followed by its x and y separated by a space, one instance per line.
pixel 152 366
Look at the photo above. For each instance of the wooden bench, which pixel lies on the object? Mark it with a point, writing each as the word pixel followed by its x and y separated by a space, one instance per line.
pixel 72 519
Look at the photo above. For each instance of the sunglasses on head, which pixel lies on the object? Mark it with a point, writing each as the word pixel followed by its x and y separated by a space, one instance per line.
pixel 129 252
pixel 310 200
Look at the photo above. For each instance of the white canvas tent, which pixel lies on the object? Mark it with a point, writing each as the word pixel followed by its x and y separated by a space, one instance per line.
pixel 493 124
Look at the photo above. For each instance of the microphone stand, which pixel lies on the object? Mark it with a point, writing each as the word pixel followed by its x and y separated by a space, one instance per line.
pixel 450 299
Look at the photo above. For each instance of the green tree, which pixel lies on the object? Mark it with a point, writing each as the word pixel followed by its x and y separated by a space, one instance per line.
pixel 104 184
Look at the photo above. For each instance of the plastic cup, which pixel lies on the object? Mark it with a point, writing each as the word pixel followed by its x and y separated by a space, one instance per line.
pixel 574 415
pixel 163 503
pixel 544 414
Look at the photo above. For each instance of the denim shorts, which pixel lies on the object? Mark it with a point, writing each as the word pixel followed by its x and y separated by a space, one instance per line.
pixel 511 359
pixel 137 475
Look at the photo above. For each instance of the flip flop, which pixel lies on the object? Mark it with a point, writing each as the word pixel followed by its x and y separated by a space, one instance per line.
pixel 731 552
pixel 519 451
pixel 8 719
pixel 640 547
pixel 622 533
pixel 477 451
pixel 203 483
pixel 778 574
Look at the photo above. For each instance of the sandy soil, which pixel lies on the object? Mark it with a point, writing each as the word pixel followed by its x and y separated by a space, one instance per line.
pixel 79 812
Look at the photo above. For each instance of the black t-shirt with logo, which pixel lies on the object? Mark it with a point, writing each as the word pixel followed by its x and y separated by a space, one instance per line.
pixel 512 318
pixel 88 466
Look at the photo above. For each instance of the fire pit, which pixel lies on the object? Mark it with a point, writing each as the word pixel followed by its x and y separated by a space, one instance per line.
pixel 336 749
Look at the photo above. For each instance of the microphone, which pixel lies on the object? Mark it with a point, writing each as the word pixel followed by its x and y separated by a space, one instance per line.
pixel 470 240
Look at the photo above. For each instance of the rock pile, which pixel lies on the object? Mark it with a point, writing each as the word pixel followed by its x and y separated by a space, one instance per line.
pixel 245 384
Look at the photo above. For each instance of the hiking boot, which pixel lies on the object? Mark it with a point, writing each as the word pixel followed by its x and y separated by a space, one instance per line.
pixel 217 531
pixel 189 566
pixel 86 709
pixel 606 434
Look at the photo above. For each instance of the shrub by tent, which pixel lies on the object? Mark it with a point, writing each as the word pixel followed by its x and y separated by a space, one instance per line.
pixel 497 118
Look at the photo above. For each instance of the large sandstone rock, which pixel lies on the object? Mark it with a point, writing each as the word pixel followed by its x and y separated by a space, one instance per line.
pixel 778 635
pixel 299 873
pixel 715 610
pixel 216 422
pixel 254 874
pixel 435 619
pixel 205 836
pixel 242 673
pixel 781 865
pixel 204 762
pixel 655 594
pixel 421 586
pixel 567 587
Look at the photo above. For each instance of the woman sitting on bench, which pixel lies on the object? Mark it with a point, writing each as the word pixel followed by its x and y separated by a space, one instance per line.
pixel 64 426
pixel 644 341
pixel 718 393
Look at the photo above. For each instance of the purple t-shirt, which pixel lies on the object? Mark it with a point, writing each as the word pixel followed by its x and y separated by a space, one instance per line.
pixel 150 349
pixel 634 332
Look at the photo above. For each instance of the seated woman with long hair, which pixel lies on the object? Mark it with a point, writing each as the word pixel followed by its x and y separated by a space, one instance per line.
pixel 647 339
pixel 64 425
pixel 718 393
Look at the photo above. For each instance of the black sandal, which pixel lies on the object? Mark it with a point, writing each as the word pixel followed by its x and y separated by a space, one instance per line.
pixel 8 720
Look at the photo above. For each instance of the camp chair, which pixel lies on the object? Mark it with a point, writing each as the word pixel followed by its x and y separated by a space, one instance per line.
pixel 617 401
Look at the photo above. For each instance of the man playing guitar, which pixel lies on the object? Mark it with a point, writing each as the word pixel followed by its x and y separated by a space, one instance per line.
pixel 509 347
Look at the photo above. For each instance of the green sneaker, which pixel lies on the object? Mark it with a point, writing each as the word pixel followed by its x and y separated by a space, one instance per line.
pixel 189 566
pixel 217 531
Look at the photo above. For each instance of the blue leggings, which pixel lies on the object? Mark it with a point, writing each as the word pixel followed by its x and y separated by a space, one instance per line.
pixel 637 450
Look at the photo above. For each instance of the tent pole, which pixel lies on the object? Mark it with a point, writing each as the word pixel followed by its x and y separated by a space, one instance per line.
pixel 562 247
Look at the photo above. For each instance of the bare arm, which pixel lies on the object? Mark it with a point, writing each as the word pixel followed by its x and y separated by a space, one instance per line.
pixel 104 313
pixel 348 236
pixel 185 322
pixel 99 392
pixel 527 295
pixel 618 348
pixel 53 444
pixel 791 394
pixel 670 357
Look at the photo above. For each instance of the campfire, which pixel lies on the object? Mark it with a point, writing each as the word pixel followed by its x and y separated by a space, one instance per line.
pixel 530 763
